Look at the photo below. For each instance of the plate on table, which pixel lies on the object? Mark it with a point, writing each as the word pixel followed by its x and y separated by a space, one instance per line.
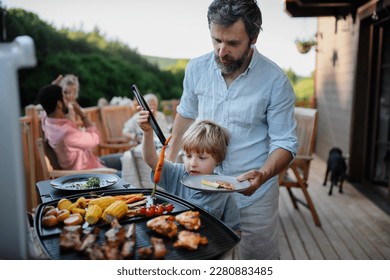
pixel 79 182
pixel 197 182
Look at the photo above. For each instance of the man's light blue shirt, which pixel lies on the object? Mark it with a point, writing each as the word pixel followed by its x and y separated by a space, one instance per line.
pixel 257 109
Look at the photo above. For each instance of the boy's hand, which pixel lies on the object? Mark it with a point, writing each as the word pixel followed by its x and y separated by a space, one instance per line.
pixel 143 121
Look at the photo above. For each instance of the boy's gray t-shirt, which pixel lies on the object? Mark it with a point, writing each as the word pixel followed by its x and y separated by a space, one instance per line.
pixel 220 204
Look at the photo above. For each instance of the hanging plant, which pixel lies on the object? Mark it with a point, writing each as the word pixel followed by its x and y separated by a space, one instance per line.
pixel 304 46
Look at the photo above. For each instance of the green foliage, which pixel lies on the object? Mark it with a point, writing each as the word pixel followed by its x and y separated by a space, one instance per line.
pixel 104 68
pixel 304 88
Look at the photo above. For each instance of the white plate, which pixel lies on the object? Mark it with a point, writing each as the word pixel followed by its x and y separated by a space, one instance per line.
pixel 194 182
pixel 77 182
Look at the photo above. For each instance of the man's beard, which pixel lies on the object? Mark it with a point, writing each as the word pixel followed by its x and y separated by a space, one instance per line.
pixel 233 65
pixel 65 108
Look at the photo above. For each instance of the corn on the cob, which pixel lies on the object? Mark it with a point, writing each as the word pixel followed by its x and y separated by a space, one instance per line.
pixel 116 210
pixel 94 212
pixel 103 202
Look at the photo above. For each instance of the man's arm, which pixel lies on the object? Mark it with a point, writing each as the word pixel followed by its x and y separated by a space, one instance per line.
pixel 180 125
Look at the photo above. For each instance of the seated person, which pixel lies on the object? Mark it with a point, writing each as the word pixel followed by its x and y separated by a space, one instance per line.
pixel 70 87
pixel 205 146
pixel 73 147
pixel 133 132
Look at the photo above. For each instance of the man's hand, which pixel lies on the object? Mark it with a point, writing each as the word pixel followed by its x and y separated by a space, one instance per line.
pixel 256 179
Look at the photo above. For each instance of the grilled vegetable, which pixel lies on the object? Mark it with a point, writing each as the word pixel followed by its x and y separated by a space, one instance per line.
pixel 63 204
pixel 94 212
pixel 159 166
pixel 103 202
pixel 116 210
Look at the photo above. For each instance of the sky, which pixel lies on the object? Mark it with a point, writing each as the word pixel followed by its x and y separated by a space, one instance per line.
pixel 175 28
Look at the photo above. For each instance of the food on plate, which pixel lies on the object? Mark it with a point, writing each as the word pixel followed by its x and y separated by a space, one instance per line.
pixel 64 203
pixel 93 182
pixel 159 249
pixel 74 219
pixel 49 221
pixel 189 219
pixel 218 184
pixel 93 214
pixel 164 225
pixel 62 215
pixel 190 240
pixel 116 210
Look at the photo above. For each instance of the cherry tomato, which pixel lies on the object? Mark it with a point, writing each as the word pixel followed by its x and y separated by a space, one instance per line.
pixel 169 207
pixel 142 210
pixel 159 210
pixel 150 211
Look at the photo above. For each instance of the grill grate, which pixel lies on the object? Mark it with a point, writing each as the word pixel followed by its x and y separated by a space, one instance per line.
pixel 221 238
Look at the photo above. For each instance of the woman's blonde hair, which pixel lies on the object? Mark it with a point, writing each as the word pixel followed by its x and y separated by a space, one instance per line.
pixel 206 137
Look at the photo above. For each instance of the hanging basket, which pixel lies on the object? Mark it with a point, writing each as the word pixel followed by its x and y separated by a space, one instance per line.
pixel 305 46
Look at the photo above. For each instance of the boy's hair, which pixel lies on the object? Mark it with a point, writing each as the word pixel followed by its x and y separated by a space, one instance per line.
pixel 206 137
pixel 48 97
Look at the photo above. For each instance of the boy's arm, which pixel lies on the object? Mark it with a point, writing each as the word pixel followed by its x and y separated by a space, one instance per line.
pixel 149 153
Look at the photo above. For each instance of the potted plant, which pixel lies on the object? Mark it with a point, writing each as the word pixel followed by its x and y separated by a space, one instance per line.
pixel 304 46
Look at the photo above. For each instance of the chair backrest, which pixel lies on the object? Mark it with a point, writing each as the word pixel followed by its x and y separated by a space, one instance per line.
pixel 141 170
pixel 113 118
pixel 47 157
pixel 306 129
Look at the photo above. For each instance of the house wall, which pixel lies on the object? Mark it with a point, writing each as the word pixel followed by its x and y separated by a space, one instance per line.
pixel 334 82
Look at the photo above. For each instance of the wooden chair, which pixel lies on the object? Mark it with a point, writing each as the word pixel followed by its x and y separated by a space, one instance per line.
pixel 113 118
pixel 296 175
pixel 51 168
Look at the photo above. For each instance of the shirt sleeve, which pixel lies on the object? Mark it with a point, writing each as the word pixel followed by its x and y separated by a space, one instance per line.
pixel 280 117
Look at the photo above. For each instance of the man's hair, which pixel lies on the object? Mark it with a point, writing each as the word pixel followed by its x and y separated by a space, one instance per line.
pixel 71 80
pixel 227 12
pixel 48 97
pixel 207 137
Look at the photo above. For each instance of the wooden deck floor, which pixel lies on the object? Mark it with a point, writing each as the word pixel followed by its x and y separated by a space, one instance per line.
pixel 353 227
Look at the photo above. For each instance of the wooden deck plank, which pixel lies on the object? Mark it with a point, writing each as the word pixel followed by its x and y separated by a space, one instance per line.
pixel 353 227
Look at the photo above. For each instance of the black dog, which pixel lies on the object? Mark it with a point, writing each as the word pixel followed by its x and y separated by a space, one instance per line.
pixel 337 168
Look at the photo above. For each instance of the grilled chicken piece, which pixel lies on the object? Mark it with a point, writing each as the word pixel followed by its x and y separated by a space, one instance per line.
pixel 189 219
pixel 95 252
pixel 145 252
pixel 116 235
pixel 164 225
pixel 128 247
pixel 70 238
pixel 190 240
pixel 89 239
pixel 159 249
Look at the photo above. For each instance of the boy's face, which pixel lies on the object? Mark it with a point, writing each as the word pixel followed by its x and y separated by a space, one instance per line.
pixel 197 164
